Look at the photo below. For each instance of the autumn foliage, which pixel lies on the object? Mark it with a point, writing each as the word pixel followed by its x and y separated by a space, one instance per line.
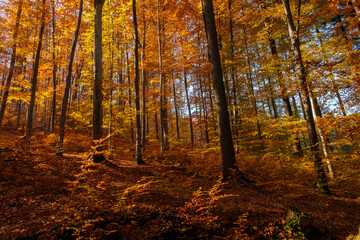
pixel 134 109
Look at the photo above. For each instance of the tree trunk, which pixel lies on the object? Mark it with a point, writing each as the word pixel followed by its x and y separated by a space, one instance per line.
pixel 189 111
pixel 163 108
pixel 97 90
pixel 207 139
pixel 321 135
pixel 59 151
pixel 12 66
pixel 322 183
pixel 176 112
pixel 144 84
pixel 226 142
pixel 129 94
pixel 54 69
pixel 29 117
pixel 138 153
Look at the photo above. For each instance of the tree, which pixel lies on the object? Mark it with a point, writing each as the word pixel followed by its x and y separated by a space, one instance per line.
pixel 97 88
pixel 59 151
pixel 226 142
pixel 138 154
pixel 34 79
pixel 12 65
pixel 164 132
pixel 53 103
pixel 301 74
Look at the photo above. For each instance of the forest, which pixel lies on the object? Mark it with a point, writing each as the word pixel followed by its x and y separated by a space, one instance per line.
pixel 180 119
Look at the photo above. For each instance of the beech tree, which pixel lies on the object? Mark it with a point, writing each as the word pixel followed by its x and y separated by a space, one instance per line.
pixel 226 142
pixel 322 183
pixel 12 65
pixel 138 154
pixel 34 79
pixel 97 88
pixel 64 105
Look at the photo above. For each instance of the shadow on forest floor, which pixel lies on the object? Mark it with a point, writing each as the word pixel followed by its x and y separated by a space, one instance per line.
pixel 175 195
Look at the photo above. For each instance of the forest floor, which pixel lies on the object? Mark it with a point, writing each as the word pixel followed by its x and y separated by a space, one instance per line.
pixel 175 195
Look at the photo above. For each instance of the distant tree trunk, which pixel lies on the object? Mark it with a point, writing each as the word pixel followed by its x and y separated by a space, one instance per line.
pixel 138 154
pixel 29 117
pixel 226 142
pixel 322 183
pixel 144 84
pixel 321 134
pixel 12 66
pixel 163 100
pixel 111 87
pixel 59 151
pixel 129 94
pixel 97 91
pixel 110 147
pixel 176 112
pixel 207 139
pixel 54 69
pixel 156 126
pixel 19 102
pixel 235 112
pixel 189 110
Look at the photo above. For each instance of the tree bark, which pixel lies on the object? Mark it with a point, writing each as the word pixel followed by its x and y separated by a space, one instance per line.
pixel 129 94
pixel 30 113
pixel 138 152
pixel 53 103
pixel 97 89
pixel 322 183
pixel 60 150
pixel 12 65
pixel 176 112
pixel 163 100
pixel 226 142
pixel 144 84
pixel 189 110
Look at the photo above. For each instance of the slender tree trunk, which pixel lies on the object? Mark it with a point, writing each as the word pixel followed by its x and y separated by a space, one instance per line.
pixel 163 108
pixel 235 112
pixel 54 69
pixel 322 183
pixel 111 83
pixel 144 84
pixel 176 112
pixel 60 150
pixel 129 95
pixel 207 139
pixel 226 142
pixel 97 89
pixel 12 66
pixel 156 126
pixel 189 110
pixel 30 113
pixel 321 135
pixel 138 154
pixel 296 110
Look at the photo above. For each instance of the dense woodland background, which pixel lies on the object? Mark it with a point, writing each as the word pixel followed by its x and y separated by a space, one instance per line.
pixel 134 86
